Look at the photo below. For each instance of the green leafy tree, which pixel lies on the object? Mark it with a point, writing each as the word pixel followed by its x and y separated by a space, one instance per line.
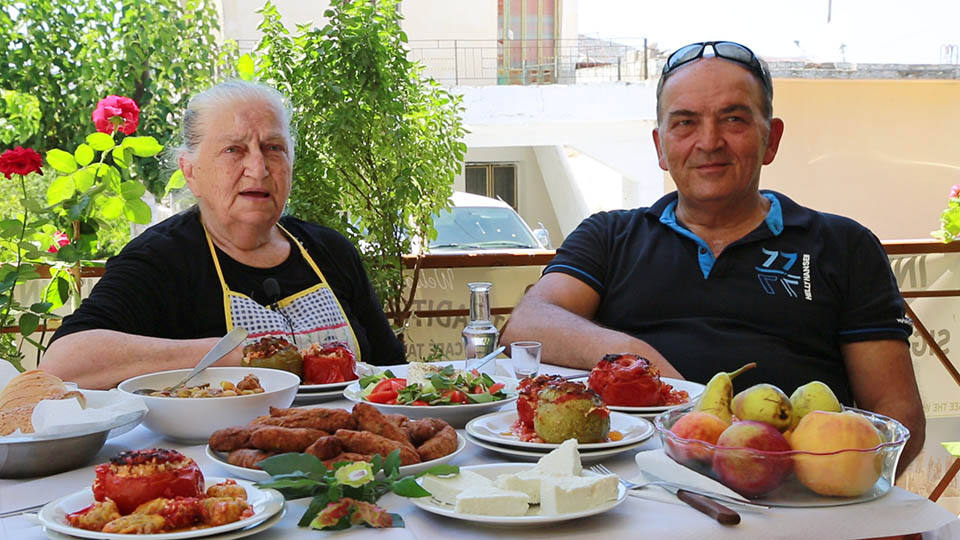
pixel 378 144
pixel 71 53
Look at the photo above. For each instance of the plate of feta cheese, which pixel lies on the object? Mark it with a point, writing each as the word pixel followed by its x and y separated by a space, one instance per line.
pixel 556 488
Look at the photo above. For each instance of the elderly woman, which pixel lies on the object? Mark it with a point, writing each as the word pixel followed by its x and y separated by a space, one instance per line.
pixel 232 259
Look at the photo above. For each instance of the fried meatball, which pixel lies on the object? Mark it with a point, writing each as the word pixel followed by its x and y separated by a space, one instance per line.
pixel 365 442
pixel 247 457
pixel 370 419
pixel 442 444
pixel 325 448
pixel 283 439
pixel 230 439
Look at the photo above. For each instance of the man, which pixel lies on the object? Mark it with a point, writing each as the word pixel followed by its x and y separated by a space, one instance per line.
pixel 719 274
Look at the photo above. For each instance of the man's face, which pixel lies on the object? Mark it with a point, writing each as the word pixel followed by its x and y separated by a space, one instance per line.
pixel 243 166
pixel 713 138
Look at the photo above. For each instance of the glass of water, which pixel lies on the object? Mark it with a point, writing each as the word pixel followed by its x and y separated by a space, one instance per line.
pixel 526 358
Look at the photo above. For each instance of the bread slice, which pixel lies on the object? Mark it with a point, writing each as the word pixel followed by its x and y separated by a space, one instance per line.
pixel 29 387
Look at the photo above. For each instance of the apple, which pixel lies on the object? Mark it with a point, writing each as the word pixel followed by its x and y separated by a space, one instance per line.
pixel 699 426
pixel 845 474
pixel 745 470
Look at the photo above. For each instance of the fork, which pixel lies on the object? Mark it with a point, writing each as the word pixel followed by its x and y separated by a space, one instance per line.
pixel 601 469
pixel 698 501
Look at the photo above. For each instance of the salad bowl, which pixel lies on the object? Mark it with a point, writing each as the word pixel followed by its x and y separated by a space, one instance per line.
pixel 456 412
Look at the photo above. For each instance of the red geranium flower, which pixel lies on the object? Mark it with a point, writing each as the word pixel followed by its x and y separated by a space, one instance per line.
pixel 123 108
pixel 20 160
pixel 60 239
pixel 955 191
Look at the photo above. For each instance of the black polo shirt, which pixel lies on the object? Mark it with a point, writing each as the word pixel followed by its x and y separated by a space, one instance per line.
pixel 785 296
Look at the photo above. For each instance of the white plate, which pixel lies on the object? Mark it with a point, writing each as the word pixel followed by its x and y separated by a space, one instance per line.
pixel 232 535
pixel 533 455
pixel 455 415
pixel 312 388
pixel 257 475
pixel 265 502
pixel 309 398
pixel 533 516
pixel 495 428
pixel 693 389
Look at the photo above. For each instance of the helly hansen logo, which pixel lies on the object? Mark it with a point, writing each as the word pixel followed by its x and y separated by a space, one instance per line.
pixel 778 273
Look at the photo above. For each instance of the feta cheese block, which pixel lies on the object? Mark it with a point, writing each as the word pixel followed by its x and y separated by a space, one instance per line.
pixel 524 481
pixel 562 461
pixel 569 494
pixel 492 501
pixel 446 488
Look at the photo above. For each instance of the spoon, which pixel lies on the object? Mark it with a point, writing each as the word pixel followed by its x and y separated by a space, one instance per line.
pixel 483 361
pixel 226 344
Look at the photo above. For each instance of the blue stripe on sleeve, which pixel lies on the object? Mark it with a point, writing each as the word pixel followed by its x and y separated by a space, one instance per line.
pixel 577 270
pixel 868 330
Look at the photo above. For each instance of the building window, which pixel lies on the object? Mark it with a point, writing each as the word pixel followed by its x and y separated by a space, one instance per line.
pixel 493 180
pixel 528 33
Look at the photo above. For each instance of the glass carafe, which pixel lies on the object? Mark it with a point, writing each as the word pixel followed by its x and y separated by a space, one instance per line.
pixel 480 336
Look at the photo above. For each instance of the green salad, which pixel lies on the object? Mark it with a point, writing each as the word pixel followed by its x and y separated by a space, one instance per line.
pixel 431 385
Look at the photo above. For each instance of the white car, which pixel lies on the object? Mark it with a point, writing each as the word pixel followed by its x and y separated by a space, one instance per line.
pixel 475 222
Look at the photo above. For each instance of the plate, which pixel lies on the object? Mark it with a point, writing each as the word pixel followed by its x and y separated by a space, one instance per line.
pixel 265 502
pixel 533 516
pixel 309 398
pixel 257 475
pixel 313 388
pixel 456 415
pixel 495 428
pixel 254 529
pixel 692 388
pixel 533 455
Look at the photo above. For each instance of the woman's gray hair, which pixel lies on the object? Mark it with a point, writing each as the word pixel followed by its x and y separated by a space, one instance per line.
pixel 191 125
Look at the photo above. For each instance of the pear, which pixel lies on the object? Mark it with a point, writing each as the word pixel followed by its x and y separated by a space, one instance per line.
pixel 813 396
pixel 764 403
pixel 718 393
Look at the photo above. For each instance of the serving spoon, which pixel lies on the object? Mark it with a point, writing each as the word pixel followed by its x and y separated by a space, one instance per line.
pixel 223 347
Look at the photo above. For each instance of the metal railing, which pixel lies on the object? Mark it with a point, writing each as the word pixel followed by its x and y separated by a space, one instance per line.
pixel 475 62
pixel 482 62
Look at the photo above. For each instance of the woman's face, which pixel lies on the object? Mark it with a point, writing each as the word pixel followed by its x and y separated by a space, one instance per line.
pixel 242 168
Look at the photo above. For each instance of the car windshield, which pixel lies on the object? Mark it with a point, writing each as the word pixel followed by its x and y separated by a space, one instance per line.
pixel 481 228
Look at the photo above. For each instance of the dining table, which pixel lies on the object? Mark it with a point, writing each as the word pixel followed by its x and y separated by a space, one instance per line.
pixel 897 514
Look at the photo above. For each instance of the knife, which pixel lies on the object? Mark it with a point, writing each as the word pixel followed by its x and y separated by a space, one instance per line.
pixel 708 506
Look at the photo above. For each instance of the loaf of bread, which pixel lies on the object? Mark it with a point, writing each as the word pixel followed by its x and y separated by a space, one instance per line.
pixel 19 397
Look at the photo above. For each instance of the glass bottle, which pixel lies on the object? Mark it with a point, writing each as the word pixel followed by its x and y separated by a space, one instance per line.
pixel 480 336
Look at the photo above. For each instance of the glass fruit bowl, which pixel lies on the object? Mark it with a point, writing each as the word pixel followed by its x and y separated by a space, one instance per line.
pixel 795 477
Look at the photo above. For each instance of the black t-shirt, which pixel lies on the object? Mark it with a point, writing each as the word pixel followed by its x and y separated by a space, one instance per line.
pixel 786 296
pixel 164 284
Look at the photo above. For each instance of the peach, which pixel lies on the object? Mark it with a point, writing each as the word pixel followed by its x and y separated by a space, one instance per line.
pixel 846 474
pixel 744 469
pixel 699 426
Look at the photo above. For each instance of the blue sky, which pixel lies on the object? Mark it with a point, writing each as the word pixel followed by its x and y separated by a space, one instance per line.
pixel 875 31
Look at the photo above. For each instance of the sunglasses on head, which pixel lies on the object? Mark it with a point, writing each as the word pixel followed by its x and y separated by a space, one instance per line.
pixel 728 50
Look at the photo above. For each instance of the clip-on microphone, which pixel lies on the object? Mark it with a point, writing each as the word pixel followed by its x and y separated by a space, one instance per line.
pixel 272 288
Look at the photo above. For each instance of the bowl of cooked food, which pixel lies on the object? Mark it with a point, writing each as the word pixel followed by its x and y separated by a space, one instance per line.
pixel 434 391
pixel 217 397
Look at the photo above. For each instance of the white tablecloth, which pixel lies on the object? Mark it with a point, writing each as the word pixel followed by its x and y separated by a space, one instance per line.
pixel 898 512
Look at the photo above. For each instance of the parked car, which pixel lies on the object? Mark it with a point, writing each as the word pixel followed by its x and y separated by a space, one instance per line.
pixel 475 222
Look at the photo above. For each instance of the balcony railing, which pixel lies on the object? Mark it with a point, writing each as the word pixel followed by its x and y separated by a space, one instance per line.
pixel 472 62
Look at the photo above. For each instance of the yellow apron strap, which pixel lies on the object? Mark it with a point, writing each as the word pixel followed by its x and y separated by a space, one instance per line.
pixel 303 252
pixel 227 312
pixel 323 280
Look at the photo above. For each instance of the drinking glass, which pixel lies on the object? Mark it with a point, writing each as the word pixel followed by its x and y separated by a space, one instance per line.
pixel 526 358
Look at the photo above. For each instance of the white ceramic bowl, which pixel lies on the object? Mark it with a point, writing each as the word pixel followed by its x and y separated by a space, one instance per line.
pixel 193 420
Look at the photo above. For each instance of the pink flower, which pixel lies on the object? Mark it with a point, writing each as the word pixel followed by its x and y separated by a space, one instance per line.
pixel 60 239
pixel 955 191
pixel 20 160
pixel 116 112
